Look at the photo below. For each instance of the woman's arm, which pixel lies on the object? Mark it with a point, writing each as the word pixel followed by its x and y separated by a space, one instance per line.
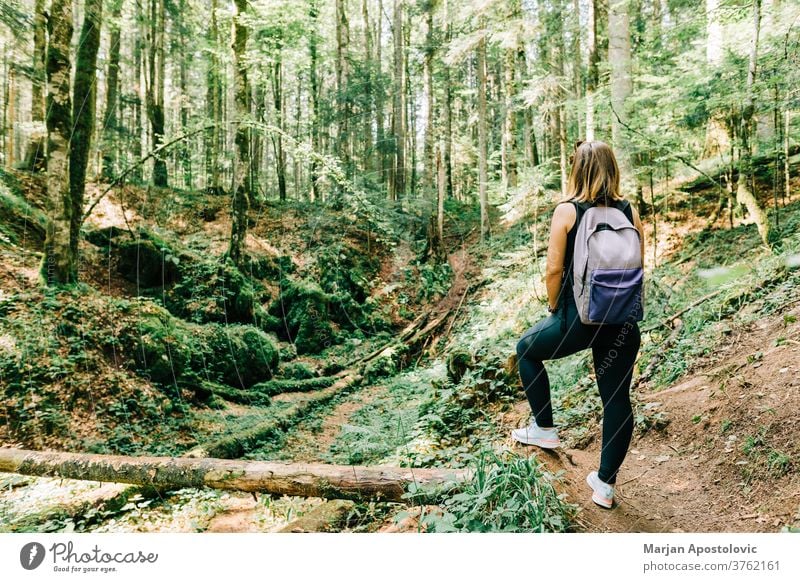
pixel 563 218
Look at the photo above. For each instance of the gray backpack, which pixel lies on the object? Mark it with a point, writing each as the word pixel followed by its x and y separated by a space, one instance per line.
pixel 608 278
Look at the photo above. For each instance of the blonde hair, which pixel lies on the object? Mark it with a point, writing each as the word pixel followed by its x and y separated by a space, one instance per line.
pixel 595 173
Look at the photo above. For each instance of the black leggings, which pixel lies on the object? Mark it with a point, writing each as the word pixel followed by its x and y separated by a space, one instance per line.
pixel 614 349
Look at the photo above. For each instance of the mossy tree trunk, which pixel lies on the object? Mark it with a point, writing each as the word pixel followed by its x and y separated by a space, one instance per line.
pixel 58 266
pixel 83 114
pixel 155 87
pixel 241 184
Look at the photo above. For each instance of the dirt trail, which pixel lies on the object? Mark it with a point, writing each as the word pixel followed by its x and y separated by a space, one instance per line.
pixel 727 460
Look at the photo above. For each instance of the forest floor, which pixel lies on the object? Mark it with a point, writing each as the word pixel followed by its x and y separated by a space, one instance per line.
pixel 715 449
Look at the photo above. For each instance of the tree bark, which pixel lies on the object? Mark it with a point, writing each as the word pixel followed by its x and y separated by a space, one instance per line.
pixel 241 180
pixel 155 87
pixel 83 114
pixel 447 110
pixel 313 38
pixel 58 266
pixel 342 74
pixel 397 185
pixel 593 72
pixel 619 57
pixel 744 194
pixel 427 155
pixel 300 479
pixel 277 100
pixel 213 106
pixel 39 53
pixel 483 178
pixel 110 128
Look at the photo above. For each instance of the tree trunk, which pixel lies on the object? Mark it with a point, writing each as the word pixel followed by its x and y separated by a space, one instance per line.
pixel 577 56
pixel 342 74
pixel 39 52
pixel 300 479
pixel 367 112
pixel 213 106
pixel 744 194
pixel 508 161
pixel 137 120
pixel 427 155
pixel 241 180
pixel 155 87
pixel 277 140
pixel 185 152
pixel 593 72
pixel 619 57
pixel 397 185
pixel 110 129
pixel 58 265
pixel 83 114
pixel 447 110
pixel 483 178
pixel 313 37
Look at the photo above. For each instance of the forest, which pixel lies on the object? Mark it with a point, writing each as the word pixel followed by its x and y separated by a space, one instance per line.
pixel 265 262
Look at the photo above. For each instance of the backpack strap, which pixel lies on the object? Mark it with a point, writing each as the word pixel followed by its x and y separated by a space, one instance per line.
pixel 626 209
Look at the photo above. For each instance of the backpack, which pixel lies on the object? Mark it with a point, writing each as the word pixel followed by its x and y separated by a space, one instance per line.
pixel 608 274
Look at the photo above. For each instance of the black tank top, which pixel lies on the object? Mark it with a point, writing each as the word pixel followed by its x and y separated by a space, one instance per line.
pixel 566 295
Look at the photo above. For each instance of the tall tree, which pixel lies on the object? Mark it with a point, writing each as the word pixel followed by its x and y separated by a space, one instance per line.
pixel 83 113
pixel 745 191
pixel 619 58
pixel 241 173
pixel 313 40
pixel 214 93
pixel 342 74
pixel 427 156
pixel 58 265
pixel 593 74
pixel 483 177
pixel 397 185
pixel 154 87
pixel 110 123
pixel 39 53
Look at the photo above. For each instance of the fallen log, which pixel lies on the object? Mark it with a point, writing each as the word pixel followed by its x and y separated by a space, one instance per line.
pixel 300 479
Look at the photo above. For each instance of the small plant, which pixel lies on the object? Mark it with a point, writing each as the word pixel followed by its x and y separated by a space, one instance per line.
pixel 725 426
pixel 697 418
pixel 506 493
pixel 789 319
pixel 778 463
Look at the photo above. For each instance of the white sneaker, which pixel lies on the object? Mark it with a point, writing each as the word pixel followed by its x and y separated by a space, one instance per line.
pixel 536 435
pixel 602 493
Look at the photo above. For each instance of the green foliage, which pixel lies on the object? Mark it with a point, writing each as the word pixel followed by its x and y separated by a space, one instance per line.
pixel 302 309
pixel 296 371
pixel 432 280
pixel 506 493
pixel 281 385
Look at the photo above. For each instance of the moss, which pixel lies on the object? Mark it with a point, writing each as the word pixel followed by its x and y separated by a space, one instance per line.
pixel 239 355
pixel 302 309
pixel 297 371
pixel 279 386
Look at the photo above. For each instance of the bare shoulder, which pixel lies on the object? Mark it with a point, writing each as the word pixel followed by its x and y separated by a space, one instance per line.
pixel 564 215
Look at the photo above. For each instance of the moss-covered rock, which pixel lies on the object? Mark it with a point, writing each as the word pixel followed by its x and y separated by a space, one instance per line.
pixel 238 355
pixel 302 309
